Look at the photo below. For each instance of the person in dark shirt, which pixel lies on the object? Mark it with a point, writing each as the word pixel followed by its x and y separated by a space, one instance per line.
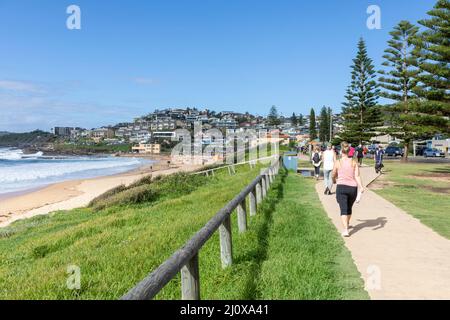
pixel 360 154
pixel 378 157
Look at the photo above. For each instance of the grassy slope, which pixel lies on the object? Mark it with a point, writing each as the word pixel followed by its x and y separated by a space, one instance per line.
pixel 291 250
pixel 115 247
pixel 413 194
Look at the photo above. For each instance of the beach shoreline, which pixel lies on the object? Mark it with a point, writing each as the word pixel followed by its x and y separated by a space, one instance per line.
pixel 73 194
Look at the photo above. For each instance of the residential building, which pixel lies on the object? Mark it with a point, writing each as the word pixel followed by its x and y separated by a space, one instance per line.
pixel 150 148
pixel 62 131
pixel 140 136
pixel 164 134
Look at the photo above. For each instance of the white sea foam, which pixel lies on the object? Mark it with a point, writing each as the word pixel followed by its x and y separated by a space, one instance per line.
pixel 19 171
pixel 17 154
pixel 36 171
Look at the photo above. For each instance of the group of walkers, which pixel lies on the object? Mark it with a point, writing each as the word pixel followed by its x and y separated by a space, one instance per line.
pixel 318 158
pixel 344 172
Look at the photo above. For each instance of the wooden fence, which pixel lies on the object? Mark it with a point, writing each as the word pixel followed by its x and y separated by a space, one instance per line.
pixel 232 167
pixel 186 258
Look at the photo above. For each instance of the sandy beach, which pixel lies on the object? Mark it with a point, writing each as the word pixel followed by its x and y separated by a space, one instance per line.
pixel 76 193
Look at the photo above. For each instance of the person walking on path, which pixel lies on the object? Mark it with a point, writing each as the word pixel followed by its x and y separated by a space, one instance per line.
pixel 329 158
pixel 348 179
pixel 378 157
pixel 360 154
pixel 351 152
pixel 316 159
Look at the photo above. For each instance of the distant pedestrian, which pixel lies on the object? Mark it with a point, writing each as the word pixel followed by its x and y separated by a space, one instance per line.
pixel 348 179
pixel 360 154
pixel 329 158
pixel 351 152
pixel 316 159
pixel 378 157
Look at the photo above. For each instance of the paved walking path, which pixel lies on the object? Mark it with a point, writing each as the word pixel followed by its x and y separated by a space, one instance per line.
pixel 398 257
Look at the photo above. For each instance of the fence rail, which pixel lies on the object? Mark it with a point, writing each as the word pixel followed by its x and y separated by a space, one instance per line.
pixel 231 167
pixel 186 258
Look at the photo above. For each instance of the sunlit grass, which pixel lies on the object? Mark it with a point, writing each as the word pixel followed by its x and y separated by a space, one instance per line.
pixel 422 190
pixel 291 250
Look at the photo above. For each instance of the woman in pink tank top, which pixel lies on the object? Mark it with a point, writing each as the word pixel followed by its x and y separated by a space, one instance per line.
pixel 346 174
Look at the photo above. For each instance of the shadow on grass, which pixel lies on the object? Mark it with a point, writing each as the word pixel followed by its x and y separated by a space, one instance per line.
pixel 440 170
pixel 259 255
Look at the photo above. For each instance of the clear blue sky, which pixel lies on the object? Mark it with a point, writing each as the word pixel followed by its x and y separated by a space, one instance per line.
pixel 133 56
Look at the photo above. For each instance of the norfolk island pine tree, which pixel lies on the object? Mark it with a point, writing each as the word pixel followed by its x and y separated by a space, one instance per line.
pixel 360 111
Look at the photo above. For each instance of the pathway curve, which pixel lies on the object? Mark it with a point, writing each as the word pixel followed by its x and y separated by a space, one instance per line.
pixel 398 256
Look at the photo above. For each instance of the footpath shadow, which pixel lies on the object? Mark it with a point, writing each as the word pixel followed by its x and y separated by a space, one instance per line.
pixel 259 254
pixel 375 224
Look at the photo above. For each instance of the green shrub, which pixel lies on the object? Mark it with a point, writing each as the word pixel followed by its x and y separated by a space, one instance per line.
pixel 128 196
pixel 148 190
pixel 107 195
pixel 144 180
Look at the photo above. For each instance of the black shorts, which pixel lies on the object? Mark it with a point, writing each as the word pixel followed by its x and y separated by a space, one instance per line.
pixel 346 197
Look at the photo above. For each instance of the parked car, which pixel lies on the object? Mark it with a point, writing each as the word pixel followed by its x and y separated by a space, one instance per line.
pixel 429 152
pixel 394 151
pixel 420 150
pixel 372 148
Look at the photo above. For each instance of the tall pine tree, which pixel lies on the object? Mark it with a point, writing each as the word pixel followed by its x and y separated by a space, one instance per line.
pixel 312 125
pixel 294 120
pixel 324 129
pixel 399 80
pixel 430 113
pixel 300 120
pixel 360 112
pixel 273 118
pixel 330 119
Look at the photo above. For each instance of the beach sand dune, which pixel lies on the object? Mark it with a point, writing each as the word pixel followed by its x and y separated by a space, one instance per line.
pixel 74 194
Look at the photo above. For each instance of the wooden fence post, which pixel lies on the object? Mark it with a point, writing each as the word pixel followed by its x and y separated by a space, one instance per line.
pixel 190 280
pixel 263 187
pixel 242 216
pixel 252 198
pixel 226 245
pixel 258 193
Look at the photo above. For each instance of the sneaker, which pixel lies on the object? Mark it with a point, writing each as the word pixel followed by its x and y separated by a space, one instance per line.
pixel 327 191
pixel 345 234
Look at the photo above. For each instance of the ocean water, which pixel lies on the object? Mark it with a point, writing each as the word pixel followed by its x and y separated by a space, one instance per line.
pixel 20 172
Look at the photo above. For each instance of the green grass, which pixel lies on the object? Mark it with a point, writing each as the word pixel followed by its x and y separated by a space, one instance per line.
pixel 422 190
pixel 291 250
pixel 115 247
pixel 305 258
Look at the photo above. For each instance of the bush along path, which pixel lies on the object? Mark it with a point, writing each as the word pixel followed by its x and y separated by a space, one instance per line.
pixel 398 257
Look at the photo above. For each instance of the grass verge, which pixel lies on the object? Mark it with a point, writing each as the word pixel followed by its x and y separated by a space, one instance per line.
pixel 291 250
pixel 421 189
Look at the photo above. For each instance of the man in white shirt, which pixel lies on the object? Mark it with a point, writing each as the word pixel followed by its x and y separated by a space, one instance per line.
pixel 329 158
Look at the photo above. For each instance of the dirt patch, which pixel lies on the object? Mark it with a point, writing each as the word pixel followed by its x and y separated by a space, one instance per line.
pixel 441 190
pixel 433 176
pixel 380 184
